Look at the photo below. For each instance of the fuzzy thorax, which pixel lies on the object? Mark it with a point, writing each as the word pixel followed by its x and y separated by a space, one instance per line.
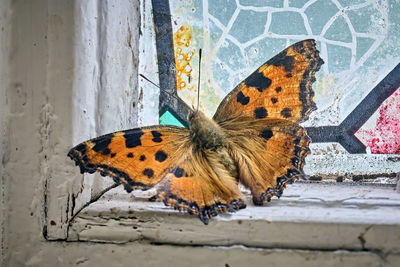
pixel 204 132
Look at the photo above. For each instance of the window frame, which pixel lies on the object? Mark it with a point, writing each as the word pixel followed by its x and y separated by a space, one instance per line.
pixel 73 217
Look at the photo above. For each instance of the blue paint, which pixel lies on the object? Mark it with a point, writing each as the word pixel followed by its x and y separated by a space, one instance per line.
pixel 168 118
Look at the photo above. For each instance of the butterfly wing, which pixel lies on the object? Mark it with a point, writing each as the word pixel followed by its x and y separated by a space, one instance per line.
pixel 139 158
pixel 163 156
pixel 279 89
pixel 201 186
pixel 269 154
pixel 261 117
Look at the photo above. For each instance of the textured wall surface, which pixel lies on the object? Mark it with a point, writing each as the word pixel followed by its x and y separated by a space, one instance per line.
pixel 68 72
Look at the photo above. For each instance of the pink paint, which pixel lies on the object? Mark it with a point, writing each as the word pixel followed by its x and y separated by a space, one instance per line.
pixel 385 137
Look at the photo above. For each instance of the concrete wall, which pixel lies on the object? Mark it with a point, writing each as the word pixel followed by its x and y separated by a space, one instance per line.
pixel 68 73
pixel 3 83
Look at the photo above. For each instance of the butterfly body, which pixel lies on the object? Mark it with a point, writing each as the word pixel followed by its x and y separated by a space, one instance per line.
pixel 205 133
pixel 253 138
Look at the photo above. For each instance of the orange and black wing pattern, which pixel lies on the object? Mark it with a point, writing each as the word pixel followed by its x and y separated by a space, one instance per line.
pixel 261 117
pixel 269 154
pixel 138 158
pixel 279 89
pixel 195 186
pixel 162 156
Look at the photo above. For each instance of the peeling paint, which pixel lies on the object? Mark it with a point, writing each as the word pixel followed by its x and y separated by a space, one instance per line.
pixel 183 58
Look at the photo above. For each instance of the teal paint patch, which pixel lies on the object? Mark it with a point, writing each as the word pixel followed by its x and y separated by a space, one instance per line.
pixel 287 23
pixel 222 10
pixel 262 3
pixel 169 119
pixel 363 44
pixel 231 55
pixel 244 31
pixel 339 58
pixel 319 14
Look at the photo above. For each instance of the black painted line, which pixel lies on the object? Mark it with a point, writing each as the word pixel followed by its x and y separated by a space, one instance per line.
pixel 166 61
pixel 164 44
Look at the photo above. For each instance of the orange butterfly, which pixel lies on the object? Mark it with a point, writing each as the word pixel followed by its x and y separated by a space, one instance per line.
pixel 254 138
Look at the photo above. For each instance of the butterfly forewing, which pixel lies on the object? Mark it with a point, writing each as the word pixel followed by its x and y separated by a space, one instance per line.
pixel 279 89
pixel 139 158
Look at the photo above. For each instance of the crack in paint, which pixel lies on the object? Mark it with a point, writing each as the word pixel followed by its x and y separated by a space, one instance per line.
pixel 362 239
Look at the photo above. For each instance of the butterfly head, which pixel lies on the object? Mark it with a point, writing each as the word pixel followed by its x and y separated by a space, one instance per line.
pixel 194 116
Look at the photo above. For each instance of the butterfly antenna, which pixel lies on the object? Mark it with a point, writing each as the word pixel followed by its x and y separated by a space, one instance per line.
pixel 156 85
pixel 198 82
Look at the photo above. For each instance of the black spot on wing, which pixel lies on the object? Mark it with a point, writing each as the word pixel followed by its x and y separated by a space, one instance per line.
pixel 259 81
pixel 148 172
pixel 278 89
pixel 130 155
pixel 106 151
pixel 282 59
pixel 274 100
pixel 132 138
pixel 156 136
pixel 260 113
pixel 101 145
pixel 179 172
pixel 286 113
pixel 242 99
pixel 113 154
pixel 266 134
pixel 142 158
pixel 161 156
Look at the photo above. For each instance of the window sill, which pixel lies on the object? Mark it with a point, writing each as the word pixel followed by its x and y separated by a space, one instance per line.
pixel 354 217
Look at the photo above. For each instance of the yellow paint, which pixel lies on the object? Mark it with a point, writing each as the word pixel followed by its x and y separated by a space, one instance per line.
pixel 187 41
pixel 183 57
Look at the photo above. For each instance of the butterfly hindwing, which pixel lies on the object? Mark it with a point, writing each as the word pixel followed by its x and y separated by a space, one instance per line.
pixel 138 158
pixel 279 89
pixel 201 186
pixel 269 154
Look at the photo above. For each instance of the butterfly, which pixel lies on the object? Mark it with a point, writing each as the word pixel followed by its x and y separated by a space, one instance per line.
pixel 254 138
